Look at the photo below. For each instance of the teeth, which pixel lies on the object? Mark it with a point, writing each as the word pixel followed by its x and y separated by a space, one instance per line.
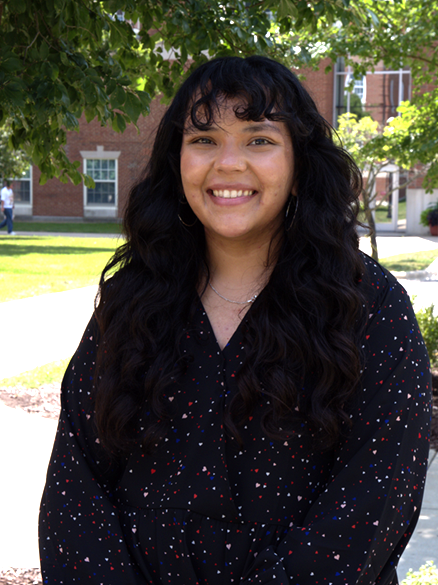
pixel 232 194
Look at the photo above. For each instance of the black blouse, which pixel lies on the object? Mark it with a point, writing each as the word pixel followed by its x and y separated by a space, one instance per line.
pixel 201 510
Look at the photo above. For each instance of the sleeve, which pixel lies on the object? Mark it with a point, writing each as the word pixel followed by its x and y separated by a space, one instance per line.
pixel 80 535
pixel 357 529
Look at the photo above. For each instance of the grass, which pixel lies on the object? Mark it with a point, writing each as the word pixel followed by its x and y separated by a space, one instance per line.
pixel 48 374
pixel 35 265
pixel 382 213
pixel 66 227
pixel 408 262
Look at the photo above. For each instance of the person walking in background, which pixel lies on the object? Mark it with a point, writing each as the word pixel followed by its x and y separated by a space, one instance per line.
pixel 7 198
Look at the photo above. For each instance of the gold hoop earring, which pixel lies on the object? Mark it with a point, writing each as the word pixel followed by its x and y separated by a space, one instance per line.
pixel 187 224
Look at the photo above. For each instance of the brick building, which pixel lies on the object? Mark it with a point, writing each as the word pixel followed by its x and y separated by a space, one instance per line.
pixel 115 161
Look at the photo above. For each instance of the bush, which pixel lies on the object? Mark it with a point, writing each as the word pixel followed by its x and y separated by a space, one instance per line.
pixel 429 329
pixel 426 575
pixel 429 216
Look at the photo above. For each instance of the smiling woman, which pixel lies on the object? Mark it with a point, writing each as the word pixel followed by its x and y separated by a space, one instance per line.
pixel 250 402
pixel 237 176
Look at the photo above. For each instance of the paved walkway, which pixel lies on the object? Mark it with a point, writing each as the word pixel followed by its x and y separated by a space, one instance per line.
pixel 43 329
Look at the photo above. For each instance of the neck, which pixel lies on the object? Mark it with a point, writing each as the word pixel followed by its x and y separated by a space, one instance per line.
pixel 238 268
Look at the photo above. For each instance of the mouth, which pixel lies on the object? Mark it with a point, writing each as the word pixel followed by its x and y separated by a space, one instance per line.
pixel 231 193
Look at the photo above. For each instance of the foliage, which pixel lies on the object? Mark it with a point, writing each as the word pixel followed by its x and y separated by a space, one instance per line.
pixel 398 34
pixel 429 216
pixel 374 148
pixel 427 575
pixel 106 60
pixel 35 265
pixel 63 59
pixel 428 323
pixel 13 163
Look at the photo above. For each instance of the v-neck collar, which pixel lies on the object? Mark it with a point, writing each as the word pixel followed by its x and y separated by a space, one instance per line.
pixel 236 336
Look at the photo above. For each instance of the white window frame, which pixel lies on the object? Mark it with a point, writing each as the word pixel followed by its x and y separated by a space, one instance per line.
pixel 25 207
pixel 100 209
pixel 348 73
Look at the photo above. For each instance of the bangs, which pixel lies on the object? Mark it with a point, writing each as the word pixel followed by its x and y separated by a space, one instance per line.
pixel 205 109
pixel 256 90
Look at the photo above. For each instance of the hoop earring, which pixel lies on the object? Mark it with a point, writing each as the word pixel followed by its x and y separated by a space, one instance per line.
pixel 187 224
pixel 288 209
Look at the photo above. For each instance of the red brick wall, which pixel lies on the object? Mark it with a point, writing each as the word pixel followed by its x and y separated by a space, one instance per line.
pixel 57 199
pixel 320 86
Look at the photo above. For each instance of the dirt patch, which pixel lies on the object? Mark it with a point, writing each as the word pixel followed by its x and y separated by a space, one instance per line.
pixel 20 577
pixel 44 401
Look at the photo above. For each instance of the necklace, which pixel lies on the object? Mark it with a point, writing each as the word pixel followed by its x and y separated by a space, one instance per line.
pixel 251 300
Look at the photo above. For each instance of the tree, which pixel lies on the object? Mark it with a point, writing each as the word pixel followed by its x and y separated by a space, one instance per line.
pixel 399 34
pixel 109 58
pixel 13 163
pixel 374 149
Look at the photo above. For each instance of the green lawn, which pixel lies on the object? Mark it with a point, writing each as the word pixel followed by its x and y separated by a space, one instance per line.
pixel 381 213
pixel 35 265
pixel 48 374
pixel 66 227
pixel 408 262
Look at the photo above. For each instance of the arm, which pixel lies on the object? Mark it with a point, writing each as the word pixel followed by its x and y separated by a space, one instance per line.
pixel 359 526
pixel 81 538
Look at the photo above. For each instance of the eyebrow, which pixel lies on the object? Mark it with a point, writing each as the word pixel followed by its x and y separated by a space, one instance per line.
pixel 262 127
pixel 249 129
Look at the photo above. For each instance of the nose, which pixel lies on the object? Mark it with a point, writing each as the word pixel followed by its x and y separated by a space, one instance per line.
pixel 230 157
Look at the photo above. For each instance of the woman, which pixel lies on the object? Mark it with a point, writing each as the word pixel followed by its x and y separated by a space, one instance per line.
pixel 250 402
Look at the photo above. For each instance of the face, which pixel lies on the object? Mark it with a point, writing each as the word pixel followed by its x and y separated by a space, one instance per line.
pixel 237 176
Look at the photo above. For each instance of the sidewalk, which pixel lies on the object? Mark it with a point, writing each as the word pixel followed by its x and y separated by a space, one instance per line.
pixel 46 328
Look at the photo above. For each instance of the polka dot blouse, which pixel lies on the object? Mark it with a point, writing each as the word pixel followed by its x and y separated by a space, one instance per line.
pixel 201 510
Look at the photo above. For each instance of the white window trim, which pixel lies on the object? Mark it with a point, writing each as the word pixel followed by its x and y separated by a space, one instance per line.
pixel 101 154
pixel 348 72
pixel 25 207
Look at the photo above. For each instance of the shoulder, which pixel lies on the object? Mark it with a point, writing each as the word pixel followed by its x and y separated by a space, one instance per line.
pixel 379 286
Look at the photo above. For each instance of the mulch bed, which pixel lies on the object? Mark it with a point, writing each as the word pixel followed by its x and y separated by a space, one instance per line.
pixel 44 401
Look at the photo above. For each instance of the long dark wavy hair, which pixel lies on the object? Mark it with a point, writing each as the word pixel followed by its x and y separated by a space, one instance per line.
pixel 303 334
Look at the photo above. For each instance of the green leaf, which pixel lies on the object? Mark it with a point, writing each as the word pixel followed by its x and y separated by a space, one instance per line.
pixel 64 59
pixel 89 92
pixel 44 51
pixel 111 86
pixel 11 64
pixel 119 123
pixel 17 6
pixel 89 182
pixel 118 97
pixel 133 107
pixel 145 99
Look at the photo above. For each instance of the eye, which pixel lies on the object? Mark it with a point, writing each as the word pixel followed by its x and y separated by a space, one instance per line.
pixel 260 141
pixel 202 140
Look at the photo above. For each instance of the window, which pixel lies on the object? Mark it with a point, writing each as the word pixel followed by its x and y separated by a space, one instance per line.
pixel 104 174
pixel 22 187
pixel 359 88
pixel 348 101
pixel 378 94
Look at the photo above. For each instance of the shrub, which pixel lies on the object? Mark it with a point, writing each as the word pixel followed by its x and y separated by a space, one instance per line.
pixel 429 329
pixel 426 575
pixel 429 216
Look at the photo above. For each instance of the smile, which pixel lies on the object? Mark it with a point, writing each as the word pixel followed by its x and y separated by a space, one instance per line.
pixel 232 193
